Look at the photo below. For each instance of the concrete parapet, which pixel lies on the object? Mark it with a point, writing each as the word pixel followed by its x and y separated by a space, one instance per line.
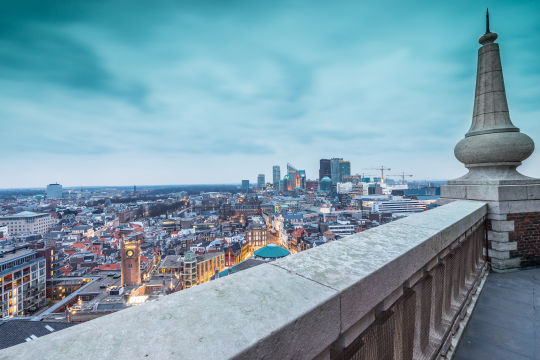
pixel 337 300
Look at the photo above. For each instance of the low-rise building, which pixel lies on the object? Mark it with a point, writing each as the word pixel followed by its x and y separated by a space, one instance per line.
pixel 22 282
pixel 27 222
pixel 256 235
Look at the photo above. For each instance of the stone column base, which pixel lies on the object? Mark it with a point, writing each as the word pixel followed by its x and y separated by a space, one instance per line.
pixel 513 220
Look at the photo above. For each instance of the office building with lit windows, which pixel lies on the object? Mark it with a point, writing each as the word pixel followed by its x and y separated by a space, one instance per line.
pixel 22 282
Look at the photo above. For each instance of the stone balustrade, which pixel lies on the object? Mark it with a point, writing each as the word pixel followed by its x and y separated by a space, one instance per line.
pixel 395 291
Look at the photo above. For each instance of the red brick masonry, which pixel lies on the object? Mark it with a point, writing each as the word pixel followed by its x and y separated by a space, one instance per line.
pixel 527 234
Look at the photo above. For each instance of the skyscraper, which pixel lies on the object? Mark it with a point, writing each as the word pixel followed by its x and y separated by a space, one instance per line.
pixel 344 169
pixel 245 186
pixel 291 171
pixel 54 191
pixel 301 179
pixel 334 170
pixel 276 175
pixel 324 169
pixel 260 181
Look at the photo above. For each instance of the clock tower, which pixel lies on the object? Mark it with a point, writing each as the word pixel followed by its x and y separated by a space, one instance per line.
pixel 131 262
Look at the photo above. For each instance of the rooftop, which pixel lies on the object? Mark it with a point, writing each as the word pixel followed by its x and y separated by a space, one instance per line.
pixel 272 251
pixel 13 253
pixel 505 323
pixel 13 332
pixel 23 214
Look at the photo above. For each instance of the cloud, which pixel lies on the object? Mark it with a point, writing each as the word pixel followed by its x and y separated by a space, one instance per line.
pixel 228 89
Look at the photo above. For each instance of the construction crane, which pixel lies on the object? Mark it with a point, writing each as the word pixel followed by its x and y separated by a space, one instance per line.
pixel 402 175
pixel 382 169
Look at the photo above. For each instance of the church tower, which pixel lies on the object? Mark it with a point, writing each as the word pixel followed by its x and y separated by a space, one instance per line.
pixel 131 262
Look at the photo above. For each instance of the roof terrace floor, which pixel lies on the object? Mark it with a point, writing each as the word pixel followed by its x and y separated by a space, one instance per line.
pixel 506 321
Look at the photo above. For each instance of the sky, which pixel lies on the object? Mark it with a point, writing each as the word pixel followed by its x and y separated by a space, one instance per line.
pixel 207 92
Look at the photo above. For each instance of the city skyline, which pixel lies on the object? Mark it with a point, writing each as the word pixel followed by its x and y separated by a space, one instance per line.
pixel 185 95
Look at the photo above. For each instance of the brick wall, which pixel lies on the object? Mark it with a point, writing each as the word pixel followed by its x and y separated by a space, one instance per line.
pixel 527 235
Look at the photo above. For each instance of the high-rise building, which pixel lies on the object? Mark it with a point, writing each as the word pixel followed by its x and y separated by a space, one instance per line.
pixel 291 171
pixel 131 262
pixel 276 176
pixel 245 186
pixel 324 169
pixel 54 191
pixel 291 177
pixel 301 179
pixel 334 170
pixel 260 181
pixel 344 169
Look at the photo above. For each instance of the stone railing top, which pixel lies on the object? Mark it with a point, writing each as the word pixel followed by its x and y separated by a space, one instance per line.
pixel 294 307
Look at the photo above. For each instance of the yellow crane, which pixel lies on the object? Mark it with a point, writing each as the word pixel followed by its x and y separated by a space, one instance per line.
pixel 382 169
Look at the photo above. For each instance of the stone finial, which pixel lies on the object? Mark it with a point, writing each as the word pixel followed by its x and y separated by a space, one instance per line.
pixel 493 147
pixel 488 37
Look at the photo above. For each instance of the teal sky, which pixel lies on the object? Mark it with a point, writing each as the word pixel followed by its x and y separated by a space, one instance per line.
pixel 178 92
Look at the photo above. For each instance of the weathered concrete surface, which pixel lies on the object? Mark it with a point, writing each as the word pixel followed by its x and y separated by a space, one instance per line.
pixel 296 307
pixel 389 254
pixel 263 310
pixel 506 321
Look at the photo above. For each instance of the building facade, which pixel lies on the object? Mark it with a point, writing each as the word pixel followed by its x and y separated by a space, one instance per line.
pixel 4 232
pixel 344 169
pixel 208 265
pixel 27 222
pixel 22 282
pixel 54 191
pixel 334 170
pixel 276 176
pixel 261 184
pixel 324 169
pixel 189 274
pixel 256 235
pixel 245 186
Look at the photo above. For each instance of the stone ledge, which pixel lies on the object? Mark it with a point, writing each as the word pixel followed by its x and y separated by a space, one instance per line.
pixel 243 315
pixel 491 192
pixel 383 258
pixel 295 307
